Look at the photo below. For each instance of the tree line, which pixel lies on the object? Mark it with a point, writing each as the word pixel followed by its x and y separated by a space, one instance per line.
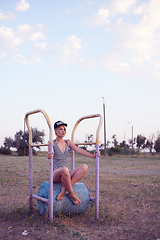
pixel 21 143
pixel 135 146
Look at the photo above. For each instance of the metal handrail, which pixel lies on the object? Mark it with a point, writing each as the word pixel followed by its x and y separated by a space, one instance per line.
pixel 48 122
pixel 50 201
pixel 96 199
pixel 86 117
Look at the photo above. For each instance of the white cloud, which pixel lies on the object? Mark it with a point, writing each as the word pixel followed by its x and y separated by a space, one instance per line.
pixel 9 38
pixel 24 28
pixel 99 19
pixel 138 10
pixel 40 47
pixel 68 11
pixel 7 17
pixel 141 40
pixel 2 53
pixel 135 44
pixel 121 6
pixel 70 50
pixel 9 43
pixel 22 6
pixel 45 48
pixel 88 63
pixel 19 58
pixel 31 33
pixel 38 60
pixel 89 2
pixel 36 35
pixel 114 63
pixel 157 70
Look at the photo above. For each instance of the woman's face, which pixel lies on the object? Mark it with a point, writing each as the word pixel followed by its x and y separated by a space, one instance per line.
pixel 60 131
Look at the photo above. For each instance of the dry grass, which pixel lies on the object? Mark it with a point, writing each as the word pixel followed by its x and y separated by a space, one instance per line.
pixel 129 200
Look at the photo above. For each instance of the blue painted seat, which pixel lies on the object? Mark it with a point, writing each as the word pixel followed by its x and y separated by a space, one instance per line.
pixel 65 205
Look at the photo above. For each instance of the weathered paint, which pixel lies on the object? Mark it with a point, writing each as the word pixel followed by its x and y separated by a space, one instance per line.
pixel 96 199
pixel 72 159
pixel 48 122
pixel 31 195
pixel 30 178
pixel 65 206
pixel 97 184
pixel 92 199
pixel 40 198
pixel 51 184
pixel 50 201
pixel 86 117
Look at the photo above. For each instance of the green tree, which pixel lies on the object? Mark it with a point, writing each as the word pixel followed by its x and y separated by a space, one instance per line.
pixel 8 142
pixel 115 142
pixel 140 141
pixel 21 140
pixel 89 139
pixel 149 145
pixel 157 145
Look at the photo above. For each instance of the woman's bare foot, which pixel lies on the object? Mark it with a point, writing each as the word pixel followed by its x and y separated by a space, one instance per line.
pixel 73 198
pixel 61 194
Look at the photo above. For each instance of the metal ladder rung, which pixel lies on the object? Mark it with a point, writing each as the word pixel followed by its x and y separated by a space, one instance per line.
pixel 38 145
pixel 89 143
pixel 40 198
pixel 92 199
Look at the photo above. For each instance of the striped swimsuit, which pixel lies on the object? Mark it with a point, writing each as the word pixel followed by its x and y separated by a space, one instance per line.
pixel 60 159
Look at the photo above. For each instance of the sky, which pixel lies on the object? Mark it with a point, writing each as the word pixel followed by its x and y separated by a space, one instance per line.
pixel 70 57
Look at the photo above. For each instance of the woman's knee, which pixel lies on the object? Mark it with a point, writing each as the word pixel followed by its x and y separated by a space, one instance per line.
pixel 84 167
pixel 65 171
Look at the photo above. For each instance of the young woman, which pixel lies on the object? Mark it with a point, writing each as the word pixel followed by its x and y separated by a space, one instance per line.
pixel 61 173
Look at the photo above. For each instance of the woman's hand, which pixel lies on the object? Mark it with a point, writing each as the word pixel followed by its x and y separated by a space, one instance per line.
pixel 50 155
pixel 95 154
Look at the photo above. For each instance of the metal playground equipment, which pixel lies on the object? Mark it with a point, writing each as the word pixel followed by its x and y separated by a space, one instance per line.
pixel 49 198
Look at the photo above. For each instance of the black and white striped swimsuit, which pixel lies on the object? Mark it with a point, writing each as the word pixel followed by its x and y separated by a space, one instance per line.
pixel 60 159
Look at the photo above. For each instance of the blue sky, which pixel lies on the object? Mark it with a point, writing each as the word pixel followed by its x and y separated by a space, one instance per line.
pixel 64 56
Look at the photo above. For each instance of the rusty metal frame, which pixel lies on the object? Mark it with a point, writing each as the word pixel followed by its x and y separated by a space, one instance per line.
pixel 96 199
pixel 50 144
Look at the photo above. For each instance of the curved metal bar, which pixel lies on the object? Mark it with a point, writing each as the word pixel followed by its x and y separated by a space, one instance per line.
pixel 48 122
pixel 86 117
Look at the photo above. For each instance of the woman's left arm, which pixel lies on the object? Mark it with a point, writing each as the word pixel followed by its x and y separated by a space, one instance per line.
pixel 81 150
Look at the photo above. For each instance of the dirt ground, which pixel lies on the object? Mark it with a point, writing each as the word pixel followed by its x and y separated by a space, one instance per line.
pixel 129 200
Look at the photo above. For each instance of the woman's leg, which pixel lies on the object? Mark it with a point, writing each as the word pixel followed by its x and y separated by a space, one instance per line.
pixel 63 175
pixel 78 173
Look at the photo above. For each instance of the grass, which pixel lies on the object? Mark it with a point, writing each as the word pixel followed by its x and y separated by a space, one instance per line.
pixel 129 200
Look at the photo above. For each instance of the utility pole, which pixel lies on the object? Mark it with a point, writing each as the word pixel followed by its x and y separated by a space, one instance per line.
pixel 132 135
pixel 104 117
pixel 24 139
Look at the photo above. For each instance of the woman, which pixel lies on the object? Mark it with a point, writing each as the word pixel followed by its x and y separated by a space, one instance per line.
pixel 61 173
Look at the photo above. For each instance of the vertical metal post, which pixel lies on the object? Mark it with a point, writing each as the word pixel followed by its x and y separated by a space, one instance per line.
pixel 132 139
pixel 97 184
pixel 30 178
pixel 50 184
pixel 104 117
pixel 24 138
pixel 72 159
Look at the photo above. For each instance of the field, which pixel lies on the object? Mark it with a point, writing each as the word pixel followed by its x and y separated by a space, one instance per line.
pixel 129 200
